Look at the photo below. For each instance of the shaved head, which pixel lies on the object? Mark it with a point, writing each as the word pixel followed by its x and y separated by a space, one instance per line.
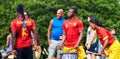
pixel 60 10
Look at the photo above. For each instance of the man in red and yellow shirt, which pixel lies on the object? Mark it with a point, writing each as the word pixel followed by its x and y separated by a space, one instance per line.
pixel 107 40
pixel 72 36
pixel 21 31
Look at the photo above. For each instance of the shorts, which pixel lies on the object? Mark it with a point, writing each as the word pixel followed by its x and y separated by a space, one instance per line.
pixel 25 53
pixel 53 47
pixel 79 50
pixel 113 52
pixel 93 48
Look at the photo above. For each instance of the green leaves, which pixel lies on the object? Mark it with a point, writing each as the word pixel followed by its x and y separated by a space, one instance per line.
pixel 42 11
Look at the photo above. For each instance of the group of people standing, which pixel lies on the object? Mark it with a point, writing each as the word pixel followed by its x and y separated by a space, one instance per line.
pixel 67 33
pixel 64 35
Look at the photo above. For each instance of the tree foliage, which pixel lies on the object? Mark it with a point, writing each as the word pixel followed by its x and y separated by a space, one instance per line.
pixel 42 11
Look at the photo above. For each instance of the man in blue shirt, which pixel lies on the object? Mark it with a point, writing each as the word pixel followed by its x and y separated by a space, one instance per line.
pixel 54 34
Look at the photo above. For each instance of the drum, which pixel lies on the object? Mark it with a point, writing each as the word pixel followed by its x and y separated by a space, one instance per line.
pixel 68 56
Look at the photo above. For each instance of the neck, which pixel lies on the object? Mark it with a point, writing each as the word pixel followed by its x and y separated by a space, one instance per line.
pixel 97 27
pixel 70 18
pixel 59 18
pixel 19 15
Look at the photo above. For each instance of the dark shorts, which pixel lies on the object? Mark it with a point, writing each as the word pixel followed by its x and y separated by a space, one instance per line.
pixel 93 47
pixel 25 53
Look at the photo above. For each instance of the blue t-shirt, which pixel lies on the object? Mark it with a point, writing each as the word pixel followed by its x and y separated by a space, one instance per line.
pixel 57 29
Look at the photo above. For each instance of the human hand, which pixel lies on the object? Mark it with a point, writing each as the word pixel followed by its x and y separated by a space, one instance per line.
pixel 37 47
pixel 76 46
pixel 88 46
pixel 60 46
pixel 101 53
pixel 49 41
pixel 13 52
pixel 7 45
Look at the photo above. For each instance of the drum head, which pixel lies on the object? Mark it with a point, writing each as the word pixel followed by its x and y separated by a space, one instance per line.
pixel 69 56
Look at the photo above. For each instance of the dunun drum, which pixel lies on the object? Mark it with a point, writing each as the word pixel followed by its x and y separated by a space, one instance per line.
pixel 68 56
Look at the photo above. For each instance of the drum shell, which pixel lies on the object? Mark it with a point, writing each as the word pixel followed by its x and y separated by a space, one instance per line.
pixel 68 56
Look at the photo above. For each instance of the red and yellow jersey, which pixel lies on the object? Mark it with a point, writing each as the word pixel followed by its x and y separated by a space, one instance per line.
pixel 72 30
pixel 23 36
pixel 104 34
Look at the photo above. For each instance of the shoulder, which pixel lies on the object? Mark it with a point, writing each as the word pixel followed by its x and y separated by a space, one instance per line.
pixel 15 21
pixel 78 20
pixel 54 18
pixel 63 18
pixel 51 21
pixel 29 19
pixel 89 28
pixel 9 36
pixel 101 29
pixel 66 21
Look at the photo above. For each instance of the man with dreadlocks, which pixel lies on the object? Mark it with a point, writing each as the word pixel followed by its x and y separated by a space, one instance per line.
pixel 21 31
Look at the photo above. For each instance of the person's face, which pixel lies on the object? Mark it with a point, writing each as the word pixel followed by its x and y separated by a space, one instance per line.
pixel 70 13
pixel 25 14
pixel 92 25
pixel 59 14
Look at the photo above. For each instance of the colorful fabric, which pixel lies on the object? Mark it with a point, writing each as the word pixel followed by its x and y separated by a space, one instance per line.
pixel 104 34
pixel 72 30
pixel 113 51
pixel 24 38
pixel 79 50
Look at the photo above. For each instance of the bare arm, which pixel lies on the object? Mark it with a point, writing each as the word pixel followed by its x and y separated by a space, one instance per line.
pixel 63 39
pixel 49 32
pixel 92 37
pixel 106 44
pixel 79 39
pixel 13 40
pixel 8 39
pixel 36 37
